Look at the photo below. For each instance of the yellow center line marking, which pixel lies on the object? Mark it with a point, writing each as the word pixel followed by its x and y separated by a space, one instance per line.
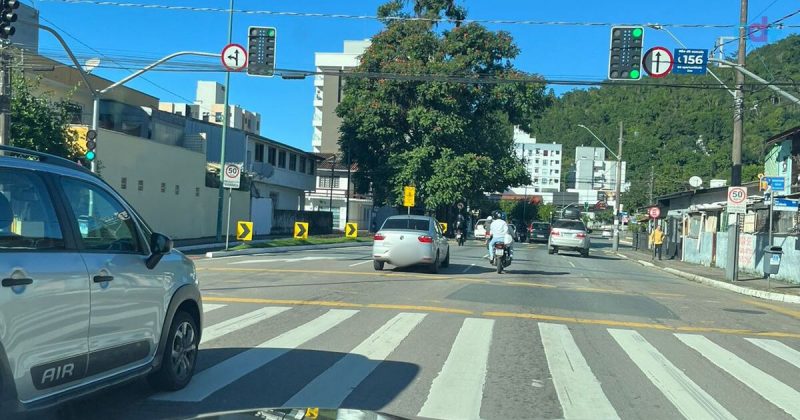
pixel 664 294
pixel 419 308
pixel 282 301
pixel 775 308
pixel 519 283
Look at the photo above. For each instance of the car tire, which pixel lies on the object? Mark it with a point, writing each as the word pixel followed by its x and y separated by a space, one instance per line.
pixel 435 266
pixel 446 262
pixel 377 265
pixel 180 355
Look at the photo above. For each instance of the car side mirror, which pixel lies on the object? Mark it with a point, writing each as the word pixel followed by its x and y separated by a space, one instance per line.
pixel 160 245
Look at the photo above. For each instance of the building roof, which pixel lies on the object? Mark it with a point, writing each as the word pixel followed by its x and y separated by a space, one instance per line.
pixel 782 136
pixel 328 161
pixel 276 143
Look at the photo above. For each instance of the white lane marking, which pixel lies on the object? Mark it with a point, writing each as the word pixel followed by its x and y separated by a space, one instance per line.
pixel 334 385
pixel 457 391
pixel 771 389
pixel 778 349
pixel 208 307
pixel 362 262
pixel 571 264
pixel 468 268
pixel 691 400
pixel 283 260
pixel 213 379
pixel 578 389
pixel 243 321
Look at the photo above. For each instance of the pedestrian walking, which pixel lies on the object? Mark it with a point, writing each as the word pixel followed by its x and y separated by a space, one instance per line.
pixel 657 241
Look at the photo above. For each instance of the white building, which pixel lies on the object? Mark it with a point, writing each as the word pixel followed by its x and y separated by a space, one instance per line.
pixel 209 105
pixel 596 177
pixel 327 94
pixel 330 194
pixel 543 161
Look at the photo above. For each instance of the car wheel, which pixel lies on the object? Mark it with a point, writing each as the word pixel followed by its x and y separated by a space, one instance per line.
pixel 180 355
pixel 435 266
pixel 377 265
pixel 446 262
pixel 555 250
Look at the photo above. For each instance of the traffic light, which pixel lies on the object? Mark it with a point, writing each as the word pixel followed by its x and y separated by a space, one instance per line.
pixel 261 50
pixel 8 17
pixel 625 53
pixel 91 144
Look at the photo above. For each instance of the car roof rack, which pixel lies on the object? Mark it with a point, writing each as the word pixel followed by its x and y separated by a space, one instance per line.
pixel 42 157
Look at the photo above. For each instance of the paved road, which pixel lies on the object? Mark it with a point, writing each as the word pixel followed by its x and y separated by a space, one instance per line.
pixel 558 336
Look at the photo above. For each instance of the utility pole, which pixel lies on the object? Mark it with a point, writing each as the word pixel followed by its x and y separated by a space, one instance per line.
pixel 652 179
pixel 732 266
pixel 221 195
pixel 349 163
pixel 5 94
pixel 617 201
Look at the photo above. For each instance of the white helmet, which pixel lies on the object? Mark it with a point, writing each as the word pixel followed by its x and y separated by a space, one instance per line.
pixel 489 219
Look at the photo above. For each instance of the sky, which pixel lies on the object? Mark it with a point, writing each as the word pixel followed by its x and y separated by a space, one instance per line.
pixel 124 34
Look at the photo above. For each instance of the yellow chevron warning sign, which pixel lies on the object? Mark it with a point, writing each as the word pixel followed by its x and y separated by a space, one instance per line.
pixel 301 230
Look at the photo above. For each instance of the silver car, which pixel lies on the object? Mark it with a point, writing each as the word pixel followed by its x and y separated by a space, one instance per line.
pixel 410 240
pixel 569 234
pixel 90 296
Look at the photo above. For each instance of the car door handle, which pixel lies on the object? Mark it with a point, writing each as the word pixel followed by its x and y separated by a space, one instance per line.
pixel 101 279
pixel 16 282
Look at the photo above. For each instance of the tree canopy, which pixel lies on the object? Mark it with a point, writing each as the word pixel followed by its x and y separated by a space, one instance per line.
pixel 451 140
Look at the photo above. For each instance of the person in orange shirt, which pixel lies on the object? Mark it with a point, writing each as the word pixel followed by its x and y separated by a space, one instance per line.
pixel 657 240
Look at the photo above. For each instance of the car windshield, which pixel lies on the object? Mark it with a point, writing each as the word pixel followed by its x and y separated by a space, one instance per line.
pixel 406 224
pixel 569 224
pixel 541 226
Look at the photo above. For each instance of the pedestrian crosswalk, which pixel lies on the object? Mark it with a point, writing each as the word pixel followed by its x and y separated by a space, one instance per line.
pixel 454 384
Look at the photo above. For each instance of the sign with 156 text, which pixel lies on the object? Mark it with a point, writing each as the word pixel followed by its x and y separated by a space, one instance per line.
pixel 690 61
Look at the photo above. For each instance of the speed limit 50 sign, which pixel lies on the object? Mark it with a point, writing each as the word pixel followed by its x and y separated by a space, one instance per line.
pixel 737 200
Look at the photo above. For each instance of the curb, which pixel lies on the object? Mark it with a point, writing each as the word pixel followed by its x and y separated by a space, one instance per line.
pixel 206 246
pixel 256 251
pixel 762 294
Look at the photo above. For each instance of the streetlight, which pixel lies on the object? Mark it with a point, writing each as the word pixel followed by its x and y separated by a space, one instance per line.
pixel 617 203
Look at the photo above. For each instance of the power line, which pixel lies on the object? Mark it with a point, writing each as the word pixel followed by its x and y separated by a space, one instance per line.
pixel 388 18
pixel 765 27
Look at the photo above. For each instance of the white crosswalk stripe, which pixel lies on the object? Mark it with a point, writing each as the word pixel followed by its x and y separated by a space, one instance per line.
pixel 217 377
pixel 457 391
pixel 778 349
pixel 208 307
pixel 577 388
pixel 240 322
pixel 332 387
pixel 685 395
pixel 765 385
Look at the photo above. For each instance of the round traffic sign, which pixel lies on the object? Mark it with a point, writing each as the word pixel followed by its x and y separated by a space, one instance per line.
pixel 231 171
pixel 234 57
pixel 654 212
pixel 657 62
pixel 737 195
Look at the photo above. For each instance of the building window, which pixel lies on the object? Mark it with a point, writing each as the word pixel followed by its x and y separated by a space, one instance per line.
pixel 537 161
pixel 177 189
pixel 218 117
pixel 530 152
pixel 206 115
pixel 259 152
pixel 545 152
pixel 282 159
pixel 302 165
pixel 557 162
pixel 325 182
pixel 311 164
pixel 292 162
pixel 74 113
pixel 271 156
pixel 197 192
pixel 141 185
pixel 123 183
pixel 557 152
pixel 163 187
pixel 535 180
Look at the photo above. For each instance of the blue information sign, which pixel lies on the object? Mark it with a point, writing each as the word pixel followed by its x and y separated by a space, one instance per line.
pixel 690 61
pixel 778 183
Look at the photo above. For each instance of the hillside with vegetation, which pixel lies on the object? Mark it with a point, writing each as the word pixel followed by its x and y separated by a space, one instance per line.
pixel 679 125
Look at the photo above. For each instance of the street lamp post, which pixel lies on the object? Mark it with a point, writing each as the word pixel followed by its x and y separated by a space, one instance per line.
pixel 618 186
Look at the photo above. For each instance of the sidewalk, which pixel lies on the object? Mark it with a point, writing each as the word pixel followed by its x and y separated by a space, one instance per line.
pixel 748 284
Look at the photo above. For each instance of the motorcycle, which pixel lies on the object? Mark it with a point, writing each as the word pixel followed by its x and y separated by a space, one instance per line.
pixel 503 255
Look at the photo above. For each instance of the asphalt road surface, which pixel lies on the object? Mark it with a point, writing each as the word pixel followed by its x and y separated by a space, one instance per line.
pixel 557 336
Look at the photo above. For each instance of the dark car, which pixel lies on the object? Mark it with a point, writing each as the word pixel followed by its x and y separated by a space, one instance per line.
pixel 539 232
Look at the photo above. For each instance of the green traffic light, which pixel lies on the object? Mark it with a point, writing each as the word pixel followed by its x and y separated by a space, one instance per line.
pixel 270 32
pixel 89 155
pixel 637 32
pixel 634 74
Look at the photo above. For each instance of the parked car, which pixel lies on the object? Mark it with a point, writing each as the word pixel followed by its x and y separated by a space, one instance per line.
pixel 480 229
pixel 409 240
pixel 570 235
pixel 539 232
pixel 91 296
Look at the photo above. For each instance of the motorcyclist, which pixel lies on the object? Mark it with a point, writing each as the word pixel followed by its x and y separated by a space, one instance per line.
pixel 498 232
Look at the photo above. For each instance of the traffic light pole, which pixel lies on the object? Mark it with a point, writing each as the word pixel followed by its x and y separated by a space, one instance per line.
pixel 617 201
pixel 221 195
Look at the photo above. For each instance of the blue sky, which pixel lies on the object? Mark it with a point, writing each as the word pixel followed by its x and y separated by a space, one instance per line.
pixel 565 52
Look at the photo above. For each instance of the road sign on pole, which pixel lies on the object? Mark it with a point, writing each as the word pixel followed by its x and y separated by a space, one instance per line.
pixel 408 196
pixel 244 230
pixel 351 230
pixel 233 176
pixel 444 226
pixel 690 61
pixel 657 62
pixel 300 230
pixel 654 212
pixel 778 183
pixel 737 200
pixel 234 57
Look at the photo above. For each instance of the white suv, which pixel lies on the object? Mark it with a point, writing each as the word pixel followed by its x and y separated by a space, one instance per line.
pixel 90 296
pixel 569 234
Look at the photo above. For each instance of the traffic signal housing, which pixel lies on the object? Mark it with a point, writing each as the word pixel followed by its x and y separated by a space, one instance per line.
pixel 261 43
pixel 8 17
pixel 91 144
pixel 625 53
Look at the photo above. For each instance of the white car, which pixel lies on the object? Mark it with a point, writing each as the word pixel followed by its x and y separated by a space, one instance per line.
pixel 409 240
pixel 480 229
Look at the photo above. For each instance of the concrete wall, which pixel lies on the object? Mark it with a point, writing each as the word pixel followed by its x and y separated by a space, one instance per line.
pixel 189 213
pixel 319 222
pixel 704 256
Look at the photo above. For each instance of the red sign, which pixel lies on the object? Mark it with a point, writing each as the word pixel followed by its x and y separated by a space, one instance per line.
pixel 601 205
pixel 654 212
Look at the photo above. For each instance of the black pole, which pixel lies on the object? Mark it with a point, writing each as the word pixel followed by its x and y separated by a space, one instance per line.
pixel 330 200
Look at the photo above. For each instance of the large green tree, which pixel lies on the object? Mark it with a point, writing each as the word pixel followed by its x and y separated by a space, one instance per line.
pixel 39 121
pixel 404 125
